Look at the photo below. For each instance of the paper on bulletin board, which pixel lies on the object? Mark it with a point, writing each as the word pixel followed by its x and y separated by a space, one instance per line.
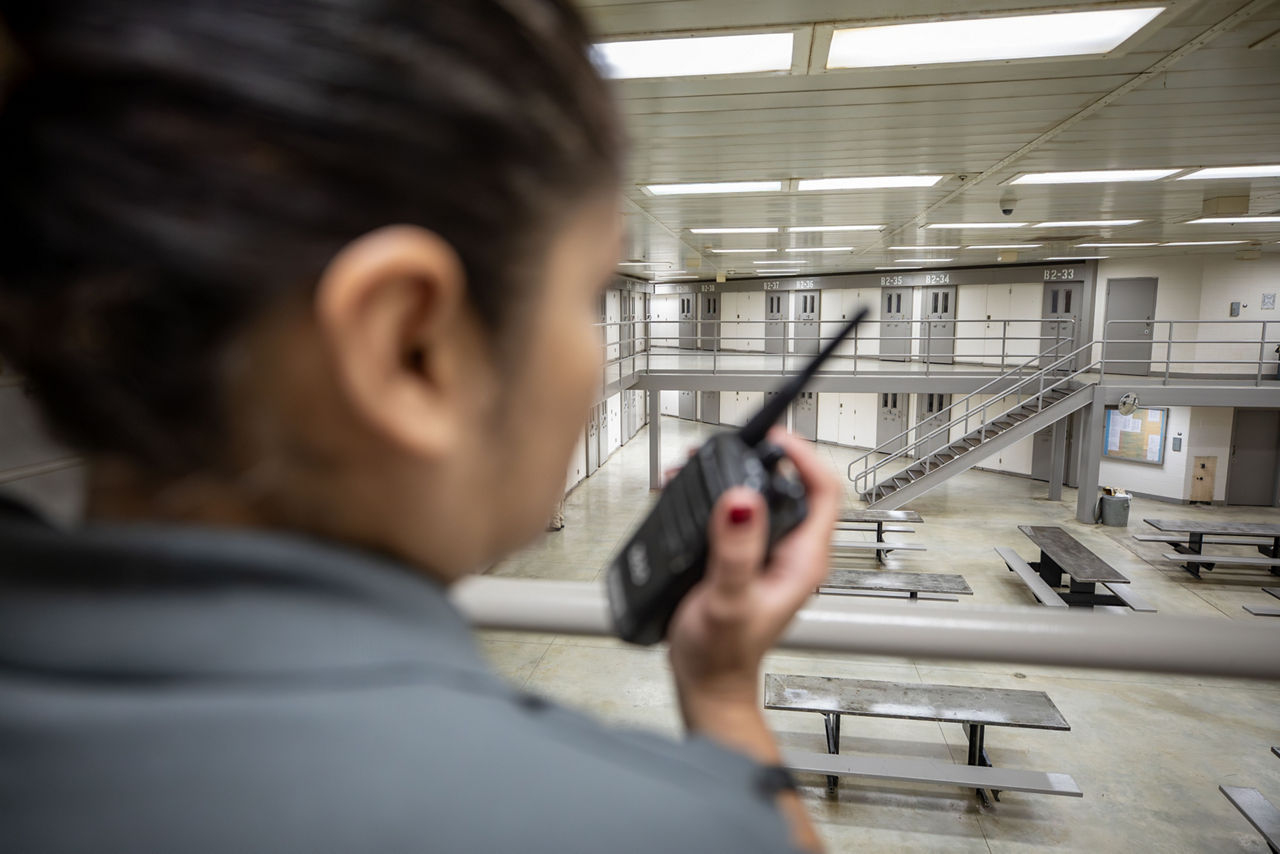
pixel 1153 448
pixel 1153 415
pixel 1113 440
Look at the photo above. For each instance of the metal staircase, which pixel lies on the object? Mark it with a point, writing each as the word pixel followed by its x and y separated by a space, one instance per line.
pixel 1041 396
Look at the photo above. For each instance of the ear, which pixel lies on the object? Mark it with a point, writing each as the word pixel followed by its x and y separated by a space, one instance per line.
pixel 391 310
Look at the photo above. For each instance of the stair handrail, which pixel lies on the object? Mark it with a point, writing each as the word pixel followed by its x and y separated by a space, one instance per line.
pixel 1006 376
pixel 1014 390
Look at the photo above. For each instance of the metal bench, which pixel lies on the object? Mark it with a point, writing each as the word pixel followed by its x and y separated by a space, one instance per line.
pixel 1210 561
pixel 1265 611
pixel 974 708
pixel 882 522
pixel 928 771
pixel 1045 594
pixel 872 582
pixel 1260 812
pixel 1185 538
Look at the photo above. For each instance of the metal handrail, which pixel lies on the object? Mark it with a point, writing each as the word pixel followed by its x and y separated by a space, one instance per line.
pixel 1040 376
pixel 1170 341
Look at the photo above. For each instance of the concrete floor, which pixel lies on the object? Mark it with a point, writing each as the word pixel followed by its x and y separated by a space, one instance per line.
pixel 1149 751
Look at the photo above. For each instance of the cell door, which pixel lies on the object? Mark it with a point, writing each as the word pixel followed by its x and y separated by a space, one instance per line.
pixel 775 324
pixel 930 415
pixel 891 421
pixel 624 403
pixel 807 329
pixel 710 402
pixel 895 324
pixel 804 416
pixel 709 322
pixel 688 407
pixel 1130 299
pixel 1062 302
pixel 593 441
pixel 626 332
pixel 1255 458
pixel 688 323
pixel 940 337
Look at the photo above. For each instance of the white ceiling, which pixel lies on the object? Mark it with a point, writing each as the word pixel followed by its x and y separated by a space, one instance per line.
pixel 1189 91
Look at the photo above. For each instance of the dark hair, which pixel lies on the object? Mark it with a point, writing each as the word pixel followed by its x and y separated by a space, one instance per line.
pixel 171 170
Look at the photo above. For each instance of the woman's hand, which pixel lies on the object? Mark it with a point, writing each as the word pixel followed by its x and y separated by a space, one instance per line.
pixel 723 628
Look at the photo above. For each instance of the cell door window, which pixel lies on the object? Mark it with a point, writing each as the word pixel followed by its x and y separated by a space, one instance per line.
pixel 1053 301
pixel 1066 301
pixel 936 295
pixel 946 302
pixel 884 401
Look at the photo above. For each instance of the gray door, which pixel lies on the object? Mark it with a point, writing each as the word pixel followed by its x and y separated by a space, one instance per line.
pixel 895 324
pixel 625 402
pixel 688 405
pixel 1062 302
pixel 688 323
pixel 806 327
pixel 891 421
pixel 775 324
pixel 1130 299
pixel 710 407
pixel 1255 458
pixel 709 322
pixel 940 333
pixel 804 416
pixel 930 415
pixel 593 441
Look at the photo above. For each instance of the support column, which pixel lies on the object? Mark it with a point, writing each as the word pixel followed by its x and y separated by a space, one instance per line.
pixel 1090 458
pixel 655 439
pixel 1057 458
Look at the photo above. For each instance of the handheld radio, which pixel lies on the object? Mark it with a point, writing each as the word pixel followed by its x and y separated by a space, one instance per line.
pixel 667 554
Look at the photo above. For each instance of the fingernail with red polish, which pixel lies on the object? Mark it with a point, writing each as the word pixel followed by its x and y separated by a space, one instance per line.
pixel 740 515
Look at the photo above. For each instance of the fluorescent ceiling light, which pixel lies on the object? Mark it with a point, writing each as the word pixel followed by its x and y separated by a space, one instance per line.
pixel 790 262
pixel 1219 220
pixel 1113 245
pixel 1087 223
pixel 642 263
pixel 899 268
pixel 874 182
pixel 1205 243
pixel 822 249
pixel 987 39
pixel 734 230
pixel 922 260
pixel 1077 258
pixel 976 225
pixel 1007 246
pixel 922 248
pixel 740 251
pixel 801 228
pixel 718 187
pixel 694 57
pixel 1100 176
pixel 1233 172
pixel 673 278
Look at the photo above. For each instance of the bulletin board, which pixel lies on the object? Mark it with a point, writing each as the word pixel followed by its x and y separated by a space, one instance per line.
pixel 1136 438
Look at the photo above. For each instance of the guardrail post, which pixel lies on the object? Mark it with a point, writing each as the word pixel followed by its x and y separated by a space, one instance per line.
pixel 655 439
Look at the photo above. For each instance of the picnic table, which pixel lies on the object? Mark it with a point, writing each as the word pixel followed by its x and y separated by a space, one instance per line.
pixel 884 521
pixel 1062 555
pixel 972 707
pixel 872 582
pixel 1197 529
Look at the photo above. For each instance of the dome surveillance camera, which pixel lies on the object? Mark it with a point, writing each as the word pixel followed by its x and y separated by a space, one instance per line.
pixel 1007 206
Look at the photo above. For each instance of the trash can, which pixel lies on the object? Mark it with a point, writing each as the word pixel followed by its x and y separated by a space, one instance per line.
pixel 1114 510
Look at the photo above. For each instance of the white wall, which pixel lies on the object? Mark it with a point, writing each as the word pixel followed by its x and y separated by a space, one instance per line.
pixel 1209 436
pixel 669 402
pixel 1199 290
pixel 613 425
pixel 1168 480
pixel 848 418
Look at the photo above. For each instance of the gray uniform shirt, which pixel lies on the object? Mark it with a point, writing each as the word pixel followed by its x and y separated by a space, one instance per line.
pixel 169 689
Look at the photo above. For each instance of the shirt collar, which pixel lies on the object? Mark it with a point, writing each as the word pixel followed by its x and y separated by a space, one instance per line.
pixel 161 601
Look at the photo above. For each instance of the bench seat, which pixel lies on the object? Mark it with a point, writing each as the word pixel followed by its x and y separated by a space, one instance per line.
pixel 1125 594
pixel 1237 560
pixel 1208 540
pixel 857 545
pixel 1260 812
pixel 929 771
pixel 1042 591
